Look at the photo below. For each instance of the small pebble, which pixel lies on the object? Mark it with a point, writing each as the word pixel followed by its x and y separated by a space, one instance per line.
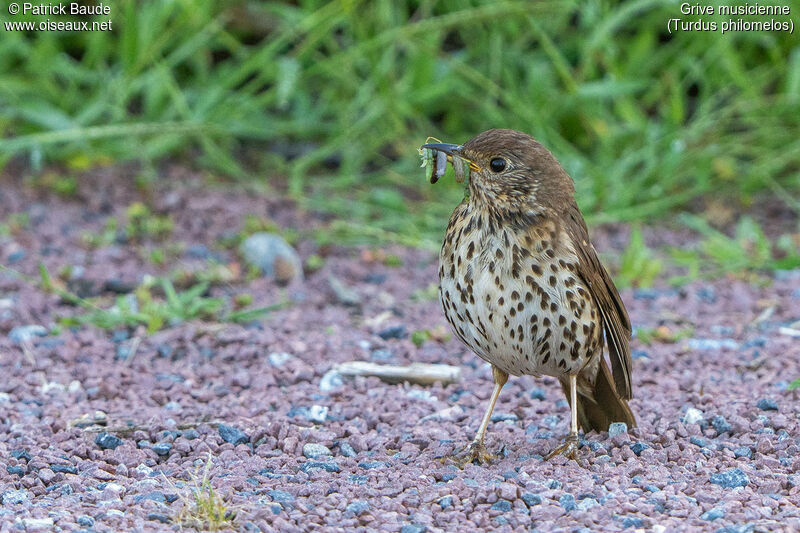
pixel 503 417
pixel 720 424
pixel 358 507
pixel 278 359
pixel 281 496
pixel 446 502
pixel 538 394
pixel 713 514
pixel 632 521
pixel 693 416
pixel 697 441
pixel 317 413
pixel 567 501
pixel 233 435
pixel 767 404
pixel 332 380
pixel 346 450
pixel 531 499
pixel 371 465
pixel 327 466
pixel 85 521
pixel 162 448
pixel 106 441
pixel 502 505
pixel 413 528
pixel 639 447
pixel 743 451
pixel 16 470
pixel 315 451
pixel 12 497
pixel 394 332
pixel 271 254
pixel 730 479
pixel 617 428
pixel 21 454
pixel 713 344
pixel 21 334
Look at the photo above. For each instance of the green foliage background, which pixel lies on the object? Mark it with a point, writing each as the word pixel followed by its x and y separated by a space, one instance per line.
pixel 332 99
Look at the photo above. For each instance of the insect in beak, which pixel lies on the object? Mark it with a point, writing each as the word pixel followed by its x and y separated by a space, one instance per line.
pixel 438 154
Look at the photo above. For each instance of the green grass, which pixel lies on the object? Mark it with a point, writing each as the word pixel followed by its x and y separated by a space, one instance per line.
pixel 155 304
pixel 205 509
pixel 638 264
pixel 644 122
pixel 747 252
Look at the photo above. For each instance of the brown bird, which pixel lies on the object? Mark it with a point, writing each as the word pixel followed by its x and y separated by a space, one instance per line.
pixel 522 286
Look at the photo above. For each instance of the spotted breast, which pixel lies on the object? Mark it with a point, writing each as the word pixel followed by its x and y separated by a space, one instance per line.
pixel 512 295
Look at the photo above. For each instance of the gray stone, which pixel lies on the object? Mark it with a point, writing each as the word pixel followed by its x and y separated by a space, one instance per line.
pixel 21 334
pixel 107 441
pixel 11 497
pixel 693 416
pixel 271 254
pixel 315 451
pixel 281 496
pixel 85 521
pixel 312 465
pixel 713 344
pixel 317 413
pixel 502 505
pixel 638 448
pixel 332 380
pixel 16 470
pixel 743 451
pixel 446 502
pixel 713 514
pixel 567 501
pixel 720 424
pixel 617 428
pixel 344 295
pixel 156 496
pixel 233 435
pixel 730 478
pixel 632 521
pixel 33 524
pixel 531 499
pixel 278 358
pixel 162 448
pixel 346 450
pixel 393 332
pixel 587 503
pixel 413 528
pixel 504 417
pixel 371 465
pixel 358 507
pixel 767 404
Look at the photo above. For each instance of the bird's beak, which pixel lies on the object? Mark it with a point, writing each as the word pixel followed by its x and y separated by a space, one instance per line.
pixel 449 149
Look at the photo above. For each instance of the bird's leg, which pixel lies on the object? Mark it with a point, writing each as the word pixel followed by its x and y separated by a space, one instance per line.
pixel 570 445
pixel 477 450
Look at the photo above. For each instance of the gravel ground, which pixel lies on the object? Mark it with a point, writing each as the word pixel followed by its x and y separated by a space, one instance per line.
pixel 293 446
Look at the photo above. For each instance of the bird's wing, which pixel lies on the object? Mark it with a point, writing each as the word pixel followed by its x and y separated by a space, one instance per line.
pixel 616 323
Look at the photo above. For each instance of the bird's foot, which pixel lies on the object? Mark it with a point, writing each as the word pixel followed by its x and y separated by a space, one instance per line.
pixel 568 449
pixel 476 451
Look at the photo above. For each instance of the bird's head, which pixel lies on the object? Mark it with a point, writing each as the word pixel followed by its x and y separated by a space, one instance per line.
pixel 512 173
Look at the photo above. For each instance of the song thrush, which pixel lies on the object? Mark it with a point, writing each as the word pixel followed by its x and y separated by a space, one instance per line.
pixel 522 286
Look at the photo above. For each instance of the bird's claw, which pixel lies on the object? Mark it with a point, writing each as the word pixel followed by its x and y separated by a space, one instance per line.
pixel 476 451
pixel 568 449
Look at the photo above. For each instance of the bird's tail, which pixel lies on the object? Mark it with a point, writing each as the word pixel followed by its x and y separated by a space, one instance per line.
pixel 599 406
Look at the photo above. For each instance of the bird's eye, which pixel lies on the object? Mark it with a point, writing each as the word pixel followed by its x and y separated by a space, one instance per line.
pixel 497 164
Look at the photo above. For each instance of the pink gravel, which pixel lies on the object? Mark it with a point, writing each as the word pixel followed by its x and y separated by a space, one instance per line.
pixel 683 468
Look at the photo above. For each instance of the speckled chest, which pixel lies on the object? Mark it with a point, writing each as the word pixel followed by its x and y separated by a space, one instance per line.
pixel 513 295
